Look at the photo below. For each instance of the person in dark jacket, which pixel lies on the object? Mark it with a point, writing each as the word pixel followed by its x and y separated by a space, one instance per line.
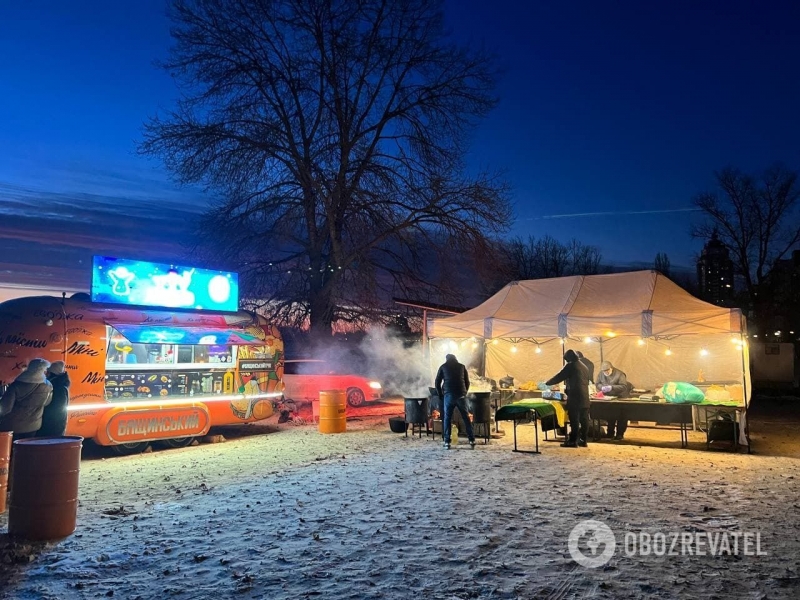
pixel 452 384
pixel 576 376
pixel 23 402
pixel 586 363
pixel 613 382
pixel 54 418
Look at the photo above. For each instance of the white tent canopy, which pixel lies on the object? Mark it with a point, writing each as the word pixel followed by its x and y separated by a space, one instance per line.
pixel 642 304
pixel 641 322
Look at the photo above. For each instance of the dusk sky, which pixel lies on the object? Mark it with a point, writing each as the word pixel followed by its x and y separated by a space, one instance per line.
pixel 612 117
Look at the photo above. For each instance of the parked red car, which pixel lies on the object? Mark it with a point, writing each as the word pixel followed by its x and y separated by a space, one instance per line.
pixel 305 379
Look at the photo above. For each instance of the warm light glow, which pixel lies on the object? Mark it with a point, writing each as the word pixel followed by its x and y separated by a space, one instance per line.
pixel 495 342
pixel 735 340
pixel 640 342
pixel 587 340
pixel 156 403
pixel 514 348
pixel 777 333
pixel 610 334
pixel 563 341
pixel 703 352
pixel 538 349
pixel 474 345
pixel 453 346
pixel 668 352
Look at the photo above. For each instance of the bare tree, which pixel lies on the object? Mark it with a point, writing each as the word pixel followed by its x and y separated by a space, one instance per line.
pixel 756 219
pixel 662 264
pixel 547 257
pixel 334 132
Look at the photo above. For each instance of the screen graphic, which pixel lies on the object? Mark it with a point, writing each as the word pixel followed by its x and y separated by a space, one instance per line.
pixel 140 283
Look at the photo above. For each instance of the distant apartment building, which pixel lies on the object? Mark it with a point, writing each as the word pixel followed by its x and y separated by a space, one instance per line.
pixel 715 273
pixel 784 296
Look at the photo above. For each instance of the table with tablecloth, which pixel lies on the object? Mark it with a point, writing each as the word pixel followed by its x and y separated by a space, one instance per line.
pixel 531 410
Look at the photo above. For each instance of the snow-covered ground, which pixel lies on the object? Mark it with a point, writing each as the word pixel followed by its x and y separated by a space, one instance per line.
pixel 370 514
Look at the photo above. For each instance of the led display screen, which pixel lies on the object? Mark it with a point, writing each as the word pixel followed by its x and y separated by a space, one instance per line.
pixel 140 283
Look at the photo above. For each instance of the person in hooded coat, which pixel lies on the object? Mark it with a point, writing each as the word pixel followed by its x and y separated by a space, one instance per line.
pixel 576 376
pixel 54 418
pixel 23 402
pixel 586 363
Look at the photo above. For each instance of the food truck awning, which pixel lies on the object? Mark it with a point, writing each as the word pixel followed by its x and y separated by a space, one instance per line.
pixel 141 326
pixel 170 334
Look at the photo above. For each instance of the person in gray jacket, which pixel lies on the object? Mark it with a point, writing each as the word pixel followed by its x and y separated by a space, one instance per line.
pixel 613 382
pixel 23 402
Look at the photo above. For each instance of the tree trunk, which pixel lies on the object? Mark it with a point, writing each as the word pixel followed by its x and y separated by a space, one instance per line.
pixel 321 313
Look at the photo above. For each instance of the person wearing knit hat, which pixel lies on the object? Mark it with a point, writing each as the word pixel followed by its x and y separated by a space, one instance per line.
pixel 613 382
pixel 576 377
pixel 54 419
pixel 23 402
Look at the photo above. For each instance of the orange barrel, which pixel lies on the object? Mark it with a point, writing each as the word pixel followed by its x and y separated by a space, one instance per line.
pixel 44 487
pixel 332 411
pixel 5 453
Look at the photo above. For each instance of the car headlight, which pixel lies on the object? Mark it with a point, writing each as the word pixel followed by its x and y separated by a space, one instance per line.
pixel 374 385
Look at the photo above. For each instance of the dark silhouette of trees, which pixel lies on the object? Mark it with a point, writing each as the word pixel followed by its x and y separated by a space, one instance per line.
pixel 662 264
pixel 756 219
pixel 333 133
pixel 547 257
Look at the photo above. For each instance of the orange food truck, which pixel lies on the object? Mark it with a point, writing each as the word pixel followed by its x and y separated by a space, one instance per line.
pixel 141 374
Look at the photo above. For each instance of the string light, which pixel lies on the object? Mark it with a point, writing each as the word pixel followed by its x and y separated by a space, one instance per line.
pixel 668 352
pixel 703 352
pixel 514 348
pixel 640 342
pixel 474 345
pixel 538 349
pixel 587 340
pixel 610 334
pixel 563 341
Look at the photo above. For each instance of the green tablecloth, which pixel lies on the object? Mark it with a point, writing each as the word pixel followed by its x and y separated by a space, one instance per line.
pixel 509 411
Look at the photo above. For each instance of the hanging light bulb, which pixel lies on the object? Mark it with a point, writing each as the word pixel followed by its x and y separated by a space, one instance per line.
pixel 587 340
pixel 668 352
pixel 610 334
pixel 495 341
pixel 514 348
pixel 641 342
pixel 538 349
pixel 563 341
pixel 474 345
pixel 703 352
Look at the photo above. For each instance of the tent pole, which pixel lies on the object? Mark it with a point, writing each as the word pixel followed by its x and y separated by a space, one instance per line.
pixel 601 350
pixel 424 333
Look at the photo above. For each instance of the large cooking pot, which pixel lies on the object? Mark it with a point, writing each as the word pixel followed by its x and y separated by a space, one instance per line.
pixel 506 382
pixel 416 410
pixel 479 404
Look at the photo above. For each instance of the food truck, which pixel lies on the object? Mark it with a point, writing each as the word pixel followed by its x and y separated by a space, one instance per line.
pixel 150 355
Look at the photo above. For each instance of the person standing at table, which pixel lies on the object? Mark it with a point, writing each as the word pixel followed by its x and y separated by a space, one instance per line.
pixel 576 377
pixel 613 382
pixel 452 384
